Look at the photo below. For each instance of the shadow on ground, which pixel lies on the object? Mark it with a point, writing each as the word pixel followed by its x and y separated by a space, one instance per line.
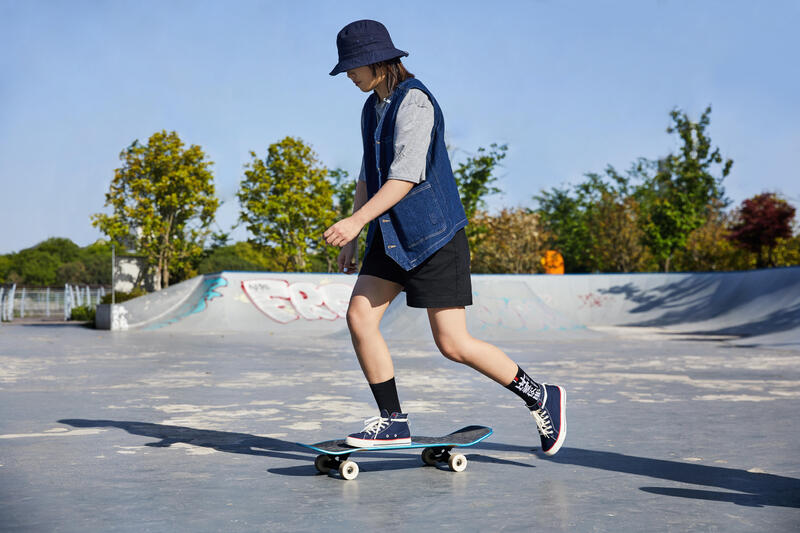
pixel 751 489
pixel 223 441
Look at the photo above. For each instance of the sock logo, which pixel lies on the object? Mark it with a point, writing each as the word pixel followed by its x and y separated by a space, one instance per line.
pixel 528 387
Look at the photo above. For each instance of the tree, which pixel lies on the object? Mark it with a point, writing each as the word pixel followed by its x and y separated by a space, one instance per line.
pixel 787 251
pixel 287 202
pixel 97 259
pixel 64 249
pixel 162 198
pixel 344 191
pixel 73 272
pixel 616 238
pixel 5 267
pixel 563 215
pixel 759 223
pixel 241 256
pixel 708 247
pixel 475 177
pixel 675 198
pixel 595 224
pixel 33 266
pixel 513 242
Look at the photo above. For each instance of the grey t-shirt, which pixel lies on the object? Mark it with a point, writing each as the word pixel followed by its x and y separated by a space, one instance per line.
pixel 412 136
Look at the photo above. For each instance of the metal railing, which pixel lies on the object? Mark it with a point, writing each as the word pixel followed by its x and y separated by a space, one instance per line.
pixel 46 302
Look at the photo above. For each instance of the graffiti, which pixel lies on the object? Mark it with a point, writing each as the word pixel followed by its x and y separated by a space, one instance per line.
pixel 209 292
pixel 594 300
pixel 119 318
pixel 285 302
pixel 522 315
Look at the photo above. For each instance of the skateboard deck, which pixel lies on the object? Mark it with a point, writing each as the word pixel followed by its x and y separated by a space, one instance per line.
pixel 336 453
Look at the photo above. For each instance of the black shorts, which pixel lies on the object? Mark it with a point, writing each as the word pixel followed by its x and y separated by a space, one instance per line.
pixel 442 280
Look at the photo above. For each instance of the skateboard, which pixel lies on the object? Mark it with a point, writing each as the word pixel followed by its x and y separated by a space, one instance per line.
pixel 336 454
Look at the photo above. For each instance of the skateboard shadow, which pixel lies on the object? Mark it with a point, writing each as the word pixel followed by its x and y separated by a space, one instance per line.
pixel 370 461
pixel 244 443
pixel 751 489
pixel 223 441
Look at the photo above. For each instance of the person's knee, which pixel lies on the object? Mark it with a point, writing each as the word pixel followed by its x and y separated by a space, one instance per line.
pixel 451 348
pixel 359 318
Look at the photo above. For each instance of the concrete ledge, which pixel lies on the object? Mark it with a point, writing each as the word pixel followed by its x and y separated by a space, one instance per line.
pixel 111 317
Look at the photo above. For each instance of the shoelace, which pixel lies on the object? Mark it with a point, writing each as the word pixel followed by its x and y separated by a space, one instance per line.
pixel 543 422
pixel 375 424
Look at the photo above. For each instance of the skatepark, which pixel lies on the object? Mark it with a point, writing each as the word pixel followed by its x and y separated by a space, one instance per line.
pixel 683 400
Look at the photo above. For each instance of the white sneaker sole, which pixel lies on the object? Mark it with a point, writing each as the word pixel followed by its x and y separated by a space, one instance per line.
pixel 370 443
pixel 562 435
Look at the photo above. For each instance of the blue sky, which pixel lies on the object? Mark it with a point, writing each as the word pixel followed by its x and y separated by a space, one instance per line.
pixel 571 86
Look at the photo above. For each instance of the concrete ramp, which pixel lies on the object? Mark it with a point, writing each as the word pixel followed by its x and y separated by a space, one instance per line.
pixel 761 307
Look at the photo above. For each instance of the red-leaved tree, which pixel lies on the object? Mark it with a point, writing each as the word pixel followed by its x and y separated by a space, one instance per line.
pixel 758 224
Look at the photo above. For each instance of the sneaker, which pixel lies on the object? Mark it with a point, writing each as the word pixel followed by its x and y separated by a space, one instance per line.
pixel 550 415
pixel 383 430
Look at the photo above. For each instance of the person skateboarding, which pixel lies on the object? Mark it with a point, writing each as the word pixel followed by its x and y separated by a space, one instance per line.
pixel 416 241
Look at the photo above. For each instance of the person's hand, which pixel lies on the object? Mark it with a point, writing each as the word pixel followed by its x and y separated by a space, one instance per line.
pixel 343 232
pixel 348 258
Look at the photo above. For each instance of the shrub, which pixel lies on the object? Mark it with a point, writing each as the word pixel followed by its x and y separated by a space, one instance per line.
pixel 120 297
pixel 83 313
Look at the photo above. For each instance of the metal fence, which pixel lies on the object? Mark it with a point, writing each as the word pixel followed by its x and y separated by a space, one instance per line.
pixel 46 302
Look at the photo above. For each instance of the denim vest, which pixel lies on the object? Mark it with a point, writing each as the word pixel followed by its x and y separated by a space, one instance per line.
pixel 431 213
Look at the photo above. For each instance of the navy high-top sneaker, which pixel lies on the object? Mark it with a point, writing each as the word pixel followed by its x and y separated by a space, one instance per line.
pixel 383 430
pixel 550 415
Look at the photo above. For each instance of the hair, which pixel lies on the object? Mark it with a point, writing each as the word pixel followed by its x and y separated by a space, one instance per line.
pixel 395 72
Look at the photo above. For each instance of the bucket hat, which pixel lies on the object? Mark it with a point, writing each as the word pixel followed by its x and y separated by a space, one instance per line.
pixel 364 42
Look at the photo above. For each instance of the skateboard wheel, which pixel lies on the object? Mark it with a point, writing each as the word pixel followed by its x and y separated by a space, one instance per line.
pixel 348 470
pixel 457 462
pixel 429 457
pixel 323 464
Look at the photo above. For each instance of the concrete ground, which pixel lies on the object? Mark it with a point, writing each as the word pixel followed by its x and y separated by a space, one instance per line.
pixel 158 431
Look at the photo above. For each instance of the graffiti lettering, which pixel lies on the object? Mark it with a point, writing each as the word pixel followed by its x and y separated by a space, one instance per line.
pixel 594 300
pixel 285 302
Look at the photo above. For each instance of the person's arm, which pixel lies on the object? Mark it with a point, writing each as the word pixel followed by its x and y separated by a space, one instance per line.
pixel 387 196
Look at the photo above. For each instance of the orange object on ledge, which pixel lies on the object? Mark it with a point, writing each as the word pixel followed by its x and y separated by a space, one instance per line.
pixel 553 262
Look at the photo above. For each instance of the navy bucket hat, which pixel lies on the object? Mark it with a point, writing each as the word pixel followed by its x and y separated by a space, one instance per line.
pixel 364 42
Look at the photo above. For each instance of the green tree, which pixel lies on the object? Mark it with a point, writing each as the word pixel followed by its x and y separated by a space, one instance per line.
pixel 241 256
pixel 595 224
pixel 73 272
pixel 475 177
pixel 33 266
pixel 162 197
pixel 562 212
pixel 787 251
pixel 97 259
pixel 287 202
pixel 677 191
pixel 344 191
pixel 5 267
pixel 708 247
pixel 64 249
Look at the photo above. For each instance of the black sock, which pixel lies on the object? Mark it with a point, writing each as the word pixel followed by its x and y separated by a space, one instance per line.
pixel 524 387
pixel 386 396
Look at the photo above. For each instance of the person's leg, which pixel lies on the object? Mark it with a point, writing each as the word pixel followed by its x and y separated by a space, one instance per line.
pixel 547 403
pixel 449 327
pixel 369 301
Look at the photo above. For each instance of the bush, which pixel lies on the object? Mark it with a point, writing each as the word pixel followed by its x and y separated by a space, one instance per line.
pixel 120 297
pixel 511 242
pixel 83 313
